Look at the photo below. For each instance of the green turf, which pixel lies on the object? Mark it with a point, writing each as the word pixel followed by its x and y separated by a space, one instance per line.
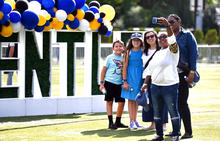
pixel 204 101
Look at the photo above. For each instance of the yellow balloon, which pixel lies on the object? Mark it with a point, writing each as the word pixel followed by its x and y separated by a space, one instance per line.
pixel 47 16
pixel 1 15
pixel 70 17
pixel 47 28
pixel 58 26
pixel 7 31
pixel 11 2
pixel 67 26
pixel 80 14
pixel 42 20
pixel 94 25
pixel 109 12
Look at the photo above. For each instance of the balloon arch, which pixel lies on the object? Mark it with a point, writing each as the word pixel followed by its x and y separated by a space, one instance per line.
pixel 44 15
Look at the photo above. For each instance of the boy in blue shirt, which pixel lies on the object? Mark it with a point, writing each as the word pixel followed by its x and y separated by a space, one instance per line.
pixel 111 81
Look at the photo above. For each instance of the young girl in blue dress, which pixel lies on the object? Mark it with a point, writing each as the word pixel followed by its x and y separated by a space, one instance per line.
pixel 132 76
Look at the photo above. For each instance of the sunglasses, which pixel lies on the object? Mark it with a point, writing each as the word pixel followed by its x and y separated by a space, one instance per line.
pixel 151 36
pixel 163 37
pixel 171 22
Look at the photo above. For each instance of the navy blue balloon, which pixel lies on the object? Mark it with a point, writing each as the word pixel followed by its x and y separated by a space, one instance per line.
pixel 47 23
pixel 6 8
pixel 39 28
pixel 80 3
pixel 66 22
pixel 85 8
pixel 29 19
pixel 48 4
pixel 66 5
pixel 1 3
pixel 15 16
pixel 74 24
pixel 21 6
pixel 94 9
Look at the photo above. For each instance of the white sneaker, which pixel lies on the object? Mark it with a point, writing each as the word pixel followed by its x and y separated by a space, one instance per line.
pixel 132 126
pixel 137 125
pixel 148 128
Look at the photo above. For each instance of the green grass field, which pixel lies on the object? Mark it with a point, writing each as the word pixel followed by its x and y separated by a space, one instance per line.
pixel 204 101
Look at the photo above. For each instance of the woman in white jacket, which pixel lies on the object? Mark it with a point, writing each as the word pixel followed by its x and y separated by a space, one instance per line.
pixel 163 72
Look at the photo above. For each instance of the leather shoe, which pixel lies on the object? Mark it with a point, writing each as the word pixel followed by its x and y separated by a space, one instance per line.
pixel 169 134
pixel 187 136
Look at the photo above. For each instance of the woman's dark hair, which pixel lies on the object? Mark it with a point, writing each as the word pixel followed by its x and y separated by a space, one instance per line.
pixel 146 45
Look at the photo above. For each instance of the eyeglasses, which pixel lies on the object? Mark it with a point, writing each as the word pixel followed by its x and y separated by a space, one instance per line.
pixel 163 37
pixel 151 36
pixel 172 22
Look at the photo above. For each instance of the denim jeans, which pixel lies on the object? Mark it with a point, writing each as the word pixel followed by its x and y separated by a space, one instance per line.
pixel 161 96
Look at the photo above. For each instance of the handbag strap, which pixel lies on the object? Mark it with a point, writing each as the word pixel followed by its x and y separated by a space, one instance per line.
pixel 150 59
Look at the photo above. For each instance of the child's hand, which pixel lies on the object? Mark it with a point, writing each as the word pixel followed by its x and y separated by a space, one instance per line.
pixel 126 86
pixel 101 87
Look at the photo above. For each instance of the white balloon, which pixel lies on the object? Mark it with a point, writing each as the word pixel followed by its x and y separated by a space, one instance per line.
pixel 97 15
pixel 110 27
pixel 61 15
pixel 43 12
pixel 34 6
pixel 16 27
pixel 84 25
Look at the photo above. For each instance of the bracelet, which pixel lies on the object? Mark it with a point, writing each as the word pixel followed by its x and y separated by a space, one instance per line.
pixel 101 82
pixel 124 80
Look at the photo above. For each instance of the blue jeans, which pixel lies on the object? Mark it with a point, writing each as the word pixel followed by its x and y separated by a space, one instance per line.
pixel 161 96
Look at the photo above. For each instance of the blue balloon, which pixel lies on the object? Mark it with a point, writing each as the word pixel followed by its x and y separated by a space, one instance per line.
pixel 94 9
pixel 29 19
pixel 74 24
pixel 51 12
pixel 39 28
pixel 6 8
pixel 108 33
pixel 80 3
pixel 1 3
pixel 85 8
pixel 15 16
pixel 40 1
pixel 66 5
pixel 48 4
pixel 100 20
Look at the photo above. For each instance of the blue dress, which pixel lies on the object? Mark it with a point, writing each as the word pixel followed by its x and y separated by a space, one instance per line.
pixel 134 75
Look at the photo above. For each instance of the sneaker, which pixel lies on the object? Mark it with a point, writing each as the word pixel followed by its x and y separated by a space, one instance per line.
pixel 158 138
pixel 175 138
pixel 112 126
pixel 120 125
pixel 137 125
pixel 132 126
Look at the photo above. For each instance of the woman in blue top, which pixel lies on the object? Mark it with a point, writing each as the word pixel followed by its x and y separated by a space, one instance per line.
pixel 132 76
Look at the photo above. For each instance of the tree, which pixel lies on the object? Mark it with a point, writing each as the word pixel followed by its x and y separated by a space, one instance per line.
pixel 199 36
pixel 211 37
